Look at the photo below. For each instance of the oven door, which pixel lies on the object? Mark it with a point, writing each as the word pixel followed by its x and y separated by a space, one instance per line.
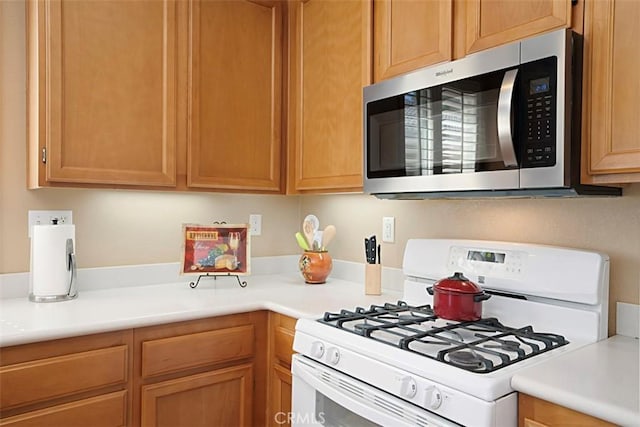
pixel 325 397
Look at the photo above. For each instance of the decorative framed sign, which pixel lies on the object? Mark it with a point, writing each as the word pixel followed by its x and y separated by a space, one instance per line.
pixel 221 249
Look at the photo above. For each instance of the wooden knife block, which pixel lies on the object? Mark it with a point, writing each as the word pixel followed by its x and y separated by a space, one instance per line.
pixel 373 279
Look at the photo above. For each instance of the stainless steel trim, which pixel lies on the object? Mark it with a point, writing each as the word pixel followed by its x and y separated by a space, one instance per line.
pixel 505 139
pixel 558 44
pixel 50 298
pixel 71 266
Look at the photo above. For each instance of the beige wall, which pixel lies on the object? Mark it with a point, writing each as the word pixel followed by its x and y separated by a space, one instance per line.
pixel 133 227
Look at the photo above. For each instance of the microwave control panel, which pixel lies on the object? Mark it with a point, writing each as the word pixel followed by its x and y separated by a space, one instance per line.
pixel 540 145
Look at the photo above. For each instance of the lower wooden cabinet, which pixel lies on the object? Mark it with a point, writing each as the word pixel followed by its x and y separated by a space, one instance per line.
pixel 281 331
pixel 533 412
pixel 207 372
pixel 220 397
pixel 77 381
pixel 220 371
pixel 280 395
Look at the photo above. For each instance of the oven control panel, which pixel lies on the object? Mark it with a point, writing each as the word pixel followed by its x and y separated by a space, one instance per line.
pixel 507 264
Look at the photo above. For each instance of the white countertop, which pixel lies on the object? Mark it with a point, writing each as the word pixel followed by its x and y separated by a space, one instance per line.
pixel 22 321
pixel 601 380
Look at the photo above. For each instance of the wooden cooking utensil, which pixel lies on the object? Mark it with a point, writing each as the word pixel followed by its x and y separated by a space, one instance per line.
pixel 328 234
pixel 308 231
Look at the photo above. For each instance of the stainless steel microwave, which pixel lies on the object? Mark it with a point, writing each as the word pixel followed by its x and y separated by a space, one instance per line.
pixel 502 122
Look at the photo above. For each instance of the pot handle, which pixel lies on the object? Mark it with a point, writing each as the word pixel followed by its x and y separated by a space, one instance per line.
pixel 430 290
pixel 481 297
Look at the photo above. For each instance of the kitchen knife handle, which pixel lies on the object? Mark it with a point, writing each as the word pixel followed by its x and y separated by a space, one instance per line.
pixel 367 255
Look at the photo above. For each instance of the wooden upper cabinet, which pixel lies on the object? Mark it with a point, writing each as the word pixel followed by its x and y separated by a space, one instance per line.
pixel 612 90
pixel 235 91
pixel 410 34
pixel 330 64
pixel 102 92
pixel 490 23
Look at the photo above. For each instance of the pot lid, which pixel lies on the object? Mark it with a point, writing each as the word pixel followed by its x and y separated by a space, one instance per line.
pixel 457 283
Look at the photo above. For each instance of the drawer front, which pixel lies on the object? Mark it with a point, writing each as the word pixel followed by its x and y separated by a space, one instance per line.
pixel 44 379
pixel 166 355
pixel 108 410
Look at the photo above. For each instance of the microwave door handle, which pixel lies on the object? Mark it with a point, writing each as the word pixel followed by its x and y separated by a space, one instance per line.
pixel 505 139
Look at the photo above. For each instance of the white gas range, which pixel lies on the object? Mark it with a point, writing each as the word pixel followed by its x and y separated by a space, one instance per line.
pixel 399 364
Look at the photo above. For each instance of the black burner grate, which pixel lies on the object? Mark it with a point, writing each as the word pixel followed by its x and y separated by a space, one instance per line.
pixel 480 346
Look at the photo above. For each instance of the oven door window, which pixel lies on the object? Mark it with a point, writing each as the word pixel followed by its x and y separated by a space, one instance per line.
pixel 446 129
pixel 331 414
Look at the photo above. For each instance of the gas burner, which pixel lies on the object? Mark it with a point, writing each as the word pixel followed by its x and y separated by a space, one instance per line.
pixel 506 345
pixel 467 359
pixel 479 346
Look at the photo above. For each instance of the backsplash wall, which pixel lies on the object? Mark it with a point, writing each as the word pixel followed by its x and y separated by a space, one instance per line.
pixel 609 225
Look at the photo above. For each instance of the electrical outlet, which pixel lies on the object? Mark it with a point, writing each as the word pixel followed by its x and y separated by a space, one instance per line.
pixel 255 224
pixel 47 217
pixel 388 229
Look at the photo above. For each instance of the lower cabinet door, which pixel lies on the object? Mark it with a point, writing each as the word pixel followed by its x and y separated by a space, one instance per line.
pixel 217 398
pixel 107 410
pixel 280 396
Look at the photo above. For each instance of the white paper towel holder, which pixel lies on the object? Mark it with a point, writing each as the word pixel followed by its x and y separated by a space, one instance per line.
pixel 72 291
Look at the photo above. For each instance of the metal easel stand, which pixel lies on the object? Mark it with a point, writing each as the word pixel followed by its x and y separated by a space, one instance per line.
pixel 242 284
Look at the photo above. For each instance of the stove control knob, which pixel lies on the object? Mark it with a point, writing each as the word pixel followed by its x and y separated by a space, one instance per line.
pixel 408 387
pixel 333 356
pixel 433 398
pixel 317 349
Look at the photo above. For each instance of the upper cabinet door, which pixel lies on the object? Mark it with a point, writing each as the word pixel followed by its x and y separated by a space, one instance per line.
pixel 612 90
pixel 102 92
pixel 410 34
pixel 492 23
pixel 235 92
pixel 330 64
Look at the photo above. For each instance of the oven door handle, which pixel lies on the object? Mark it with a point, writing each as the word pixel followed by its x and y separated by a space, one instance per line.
pixel 505 138
pixel 349 393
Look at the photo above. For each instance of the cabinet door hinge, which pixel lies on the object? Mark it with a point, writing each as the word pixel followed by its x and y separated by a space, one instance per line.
pixel 44 154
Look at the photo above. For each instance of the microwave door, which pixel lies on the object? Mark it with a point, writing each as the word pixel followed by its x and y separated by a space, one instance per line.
pixel 442 138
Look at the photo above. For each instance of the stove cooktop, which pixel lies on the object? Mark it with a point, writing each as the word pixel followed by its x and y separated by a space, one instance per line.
pixel 480 346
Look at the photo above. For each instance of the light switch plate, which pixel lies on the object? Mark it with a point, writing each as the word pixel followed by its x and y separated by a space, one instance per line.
pixel 47 217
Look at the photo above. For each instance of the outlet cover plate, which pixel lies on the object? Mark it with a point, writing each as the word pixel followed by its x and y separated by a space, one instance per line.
pixel 255 224
pixel 47 217
pixel 388 229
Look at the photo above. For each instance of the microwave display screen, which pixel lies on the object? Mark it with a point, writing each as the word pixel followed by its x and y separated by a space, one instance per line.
pixel 486 256
pixel 539 86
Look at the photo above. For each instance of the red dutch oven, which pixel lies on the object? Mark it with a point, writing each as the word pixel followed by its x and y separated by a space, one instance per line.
pixel 457 298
